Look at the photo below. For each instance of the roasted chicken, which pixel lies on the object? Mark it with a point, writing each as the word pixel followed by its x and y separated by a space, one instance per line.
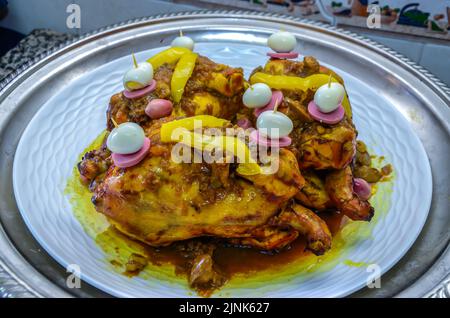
pixel 159 201
pixel 324 152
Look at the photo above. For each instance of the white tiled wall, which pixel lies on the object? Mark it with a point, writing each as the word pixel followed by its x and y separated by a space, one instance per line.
pixel 26 15
pixel 434 57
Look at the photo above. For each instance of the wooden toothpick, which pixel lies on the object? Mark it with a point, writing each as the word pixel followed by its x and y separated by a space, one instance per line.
pixel 329 81
pixel 134 60
pixel 276 105
pixel 114 122
pixel 181 32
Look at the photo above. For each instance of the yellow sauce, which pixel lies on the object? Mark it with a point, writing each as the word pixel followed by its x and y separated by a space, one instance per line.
pixel 281 268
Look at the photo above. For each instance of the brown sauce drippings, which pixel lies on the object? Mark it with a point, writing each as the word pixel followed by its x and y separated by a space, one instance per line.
pixel 229 259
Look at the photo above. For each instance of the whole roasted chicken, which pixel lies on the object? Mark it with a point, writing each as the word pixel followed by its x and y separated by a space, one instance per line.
pixel 159 201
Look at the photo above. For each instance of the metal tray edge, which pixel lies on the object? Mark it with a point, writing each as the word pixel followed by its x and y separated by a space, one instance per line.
pixel 14 286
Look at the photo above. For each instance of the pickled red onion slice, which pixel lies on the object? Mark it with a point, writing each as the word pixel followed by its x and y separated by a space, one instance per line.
pixel 328 118
pixel 277 97
pixel 256 137
pixel 244 123
pixel 126 161
pixel 289 55
pixel 140 92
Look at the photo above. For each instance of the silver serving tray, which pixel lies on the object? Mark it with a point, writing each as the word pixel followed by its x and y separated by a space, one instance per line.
pixel 27 270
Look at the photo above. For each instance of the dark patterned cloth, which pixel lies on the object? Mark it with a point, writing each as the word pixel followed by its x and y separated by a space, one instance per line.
pixel 34 44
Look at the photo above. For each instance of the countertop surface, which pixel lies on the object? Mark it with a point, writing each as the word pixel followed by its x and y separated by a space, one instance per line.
pixel 36 43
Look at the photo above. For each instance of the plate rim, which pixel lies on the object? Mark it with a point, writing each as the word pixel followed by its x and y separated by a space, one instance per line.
pixel 7 85
pixel 21 148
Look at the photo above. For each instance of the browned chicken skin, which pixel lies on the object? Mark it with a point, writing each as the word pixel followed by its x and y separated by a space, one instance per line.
pixel 325 147
pixel 268 237
pixel 313 194
pixel 310 225
pixel 285 182
pixel 159 201
pixel 93 164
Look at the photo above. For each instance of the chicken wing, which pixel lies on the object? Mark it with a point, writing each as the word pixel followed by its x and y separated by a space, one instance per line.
pixel 308 224
pixel 339 185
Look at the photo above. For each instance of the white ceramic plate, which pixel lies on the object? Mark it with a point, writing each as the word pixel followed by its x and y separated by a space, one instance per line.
pixel 67 123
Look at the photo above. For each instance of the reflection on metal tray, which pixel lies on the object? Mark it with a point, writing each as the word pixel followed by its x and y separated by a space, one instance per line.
pixel 26 270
